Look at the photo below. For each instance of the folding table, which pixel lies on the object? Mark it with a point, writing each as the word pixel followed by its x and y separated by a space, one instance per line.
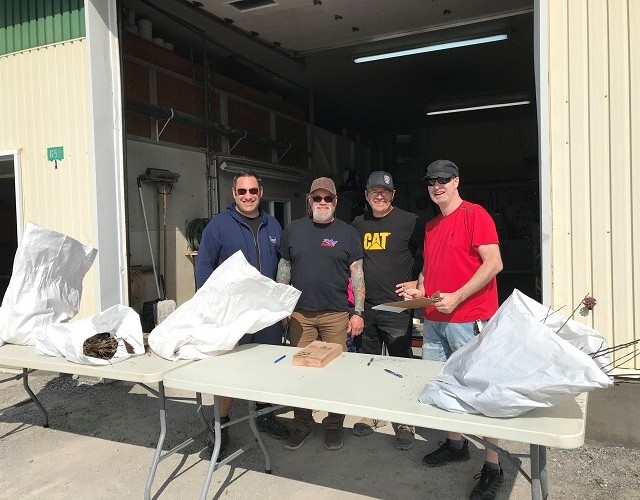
pixel 145 369
pixel 353 386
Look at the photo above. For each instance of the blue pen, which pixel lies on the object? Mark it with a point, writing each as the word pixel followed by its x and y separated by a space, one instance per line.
pixel 280 359
pixel 393 373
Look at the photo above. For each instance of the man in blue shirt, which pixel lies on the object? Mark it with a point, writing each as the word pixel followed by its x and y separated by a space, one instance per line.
pixel 246 227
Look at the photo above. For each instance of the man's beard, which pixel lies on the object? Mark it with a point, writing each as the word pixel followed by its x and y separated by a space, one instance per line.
pixel 322 216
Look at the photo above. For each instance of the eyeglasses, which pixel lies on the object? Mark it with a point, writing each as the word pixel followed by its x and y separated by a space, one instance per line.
pixel 327 199
pixel 383 193
pixel 243 191
pixel 431 181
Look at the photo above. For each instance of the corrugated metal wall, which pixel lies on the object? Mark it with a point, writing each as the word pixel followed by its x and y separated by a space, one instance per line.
pixel 594 77
pixel 43 103
pixel 25 24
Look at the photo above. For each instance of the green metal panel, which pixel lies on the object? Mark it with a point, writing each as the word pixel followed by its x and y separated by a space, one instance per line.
pixel 25 24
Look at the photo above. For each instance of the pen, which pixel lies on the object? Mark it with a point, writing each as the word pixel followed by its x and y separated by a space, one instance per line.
pixel 370 361
pixel 280 358
pixel 393 373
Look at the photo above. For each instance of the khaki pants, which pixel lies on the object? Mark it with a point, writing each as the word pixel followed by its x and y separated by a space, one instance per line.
pixel 304 328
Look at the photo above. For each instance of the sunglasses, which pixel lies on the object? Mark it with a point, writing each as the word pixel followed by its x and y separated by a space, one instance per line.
pixel 243 191
pixel 431 181
pixel 327 199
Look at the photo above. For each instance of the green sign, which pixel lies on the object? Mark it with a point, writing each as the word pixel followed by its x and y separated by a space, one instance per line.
pixel 55 153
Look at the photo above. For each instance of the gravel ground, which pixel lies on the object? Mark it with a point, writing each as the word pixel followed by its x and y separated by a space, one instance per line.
pixel 102 438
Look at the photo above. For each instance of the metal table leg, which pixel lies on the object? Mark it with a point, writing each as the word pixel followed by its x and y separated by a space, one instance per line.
pixel 539 483
pixel 25 383
pixel 163 434
pixel 217 428
pixel 256 433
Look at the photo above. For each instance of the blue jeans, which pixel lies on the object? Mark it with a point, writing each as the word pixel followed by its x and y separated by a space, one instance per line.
pixel 441 339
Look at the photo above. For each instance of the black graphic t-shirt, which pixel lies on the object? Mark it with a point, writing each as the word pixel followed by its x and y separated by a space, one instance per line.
pixel 390 246
pixel 320 256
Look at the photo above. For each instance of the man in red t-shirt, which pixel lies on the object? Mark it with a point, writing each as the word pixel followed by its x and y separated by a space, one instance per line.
pixel 461 260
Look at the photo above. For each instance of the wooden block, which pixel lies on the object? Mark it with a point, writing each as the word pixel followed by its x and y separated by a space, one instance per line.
pixel 317 354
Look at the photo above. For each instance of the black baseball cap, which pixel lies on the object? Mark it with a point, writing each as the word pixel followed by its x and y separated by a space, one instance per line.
pixel 380 178
pixel 441 168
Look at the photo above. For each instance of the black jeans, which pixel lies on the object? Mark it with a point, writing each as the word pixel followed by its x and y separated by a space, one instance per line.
pixel 394 329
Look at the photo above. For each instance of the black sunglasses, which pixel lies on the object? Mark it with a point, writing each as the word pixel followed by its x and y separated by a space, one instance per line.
pixel 243 191
pixel 327 199
pixel 431 181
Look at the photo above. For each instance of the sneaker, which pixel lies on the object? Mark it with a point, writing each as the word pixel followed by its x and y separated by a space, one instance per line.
pixel 224 443
pixel 445 454
pixel 271 425
pixel 297 439
pixel 404 437
pixel 489 484
pixel 333 439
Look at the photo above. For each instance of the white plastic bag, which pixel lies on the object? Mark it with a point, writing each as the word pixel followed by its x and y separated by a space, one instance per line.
pixel 235 300
pixel 519 363
pixel 45 285
pixel 67 339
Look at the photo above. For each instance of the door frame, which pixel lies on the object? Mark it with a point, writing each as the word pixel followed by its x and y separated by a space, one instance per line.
pixel 17 181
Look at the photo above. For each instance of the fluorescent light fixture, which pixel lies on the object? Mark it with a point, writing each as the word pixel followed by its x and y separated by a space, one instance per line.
pixel 263 169
pixel 476 108
pixel 432 48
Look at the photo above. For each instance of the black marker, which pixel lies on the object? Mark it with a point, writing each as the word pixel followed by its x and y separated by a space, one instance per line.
pixel 370 361
pixel 393 373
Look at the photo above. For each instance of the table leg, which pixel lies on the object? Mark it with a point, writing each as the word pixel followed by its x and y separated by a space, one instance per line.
pixel 256 433
pixel 216 447
pixel 539 484
pixel 25 383
pixel 544 483
pixel 161 438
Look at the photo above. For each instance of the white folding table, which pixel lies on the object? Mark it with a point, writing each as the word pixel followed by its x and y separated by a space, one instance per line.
pixel 353 386
pixel 145 369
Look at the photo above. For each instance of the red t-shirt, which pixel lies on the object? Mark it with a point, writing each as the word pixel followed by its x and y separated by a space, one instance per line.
pixel 451 258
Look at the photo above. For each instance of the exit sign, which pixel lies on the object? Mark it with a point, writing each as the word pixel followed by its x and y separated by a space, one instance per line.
pixel 55 153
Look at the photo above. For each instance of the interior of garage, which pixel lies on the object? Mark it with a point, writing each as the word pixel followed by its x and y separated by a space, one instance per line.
pixel 213 87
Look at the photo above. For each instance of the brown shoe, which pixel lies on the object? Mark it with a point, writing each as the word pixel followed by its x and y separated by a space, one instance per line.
pixel 297 439
pixel 333 439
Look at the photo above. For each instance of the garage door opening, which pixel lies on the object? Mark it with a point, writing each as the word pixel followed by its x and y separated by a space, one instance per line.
pixel 281 85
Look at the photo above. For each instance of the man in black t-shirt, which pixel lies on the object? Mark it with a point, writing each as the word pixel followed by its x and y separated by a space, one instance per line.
pixel 319 254
pixel 391 238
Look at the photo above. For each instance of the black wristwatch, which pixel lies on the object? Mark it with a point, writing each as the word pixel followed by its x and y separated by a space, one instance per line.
pixel 353 312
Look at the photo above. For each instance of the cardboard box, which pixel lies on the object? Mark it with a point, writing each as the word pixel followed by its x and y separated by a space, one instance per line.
pixel 317 354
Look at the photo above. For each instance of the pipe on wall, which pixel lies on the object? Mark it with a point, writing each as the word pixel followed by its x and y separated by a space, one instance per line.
pixel 161 113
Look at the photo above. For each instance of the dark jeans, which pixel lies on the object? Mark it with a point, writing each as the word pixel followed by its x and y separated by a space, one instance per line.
pixel 394 329
pixel 270 335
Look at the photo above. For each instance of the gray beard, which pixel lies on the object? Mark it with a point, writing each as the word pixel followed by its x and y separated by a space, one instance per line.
pixel 322 217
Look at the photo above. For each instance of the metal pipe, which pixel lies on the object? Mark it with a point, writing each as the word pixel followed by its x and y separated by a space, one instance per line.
pixel 165 113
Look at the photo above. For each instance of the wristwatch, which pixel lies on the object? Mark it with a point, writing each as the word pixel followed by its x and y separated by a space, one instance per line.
pixel 354 312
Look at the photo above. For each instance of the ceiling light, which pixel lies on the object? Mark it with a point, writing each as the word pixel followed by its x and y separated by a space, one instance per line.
pixel 431 48
pixel 479 107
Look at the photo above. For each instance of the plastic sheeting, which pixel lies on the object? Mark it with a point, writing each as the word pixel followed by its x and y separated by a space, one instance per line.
pixel 235 300
pixel 523 359
pixel 46 284
pixel 67 339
